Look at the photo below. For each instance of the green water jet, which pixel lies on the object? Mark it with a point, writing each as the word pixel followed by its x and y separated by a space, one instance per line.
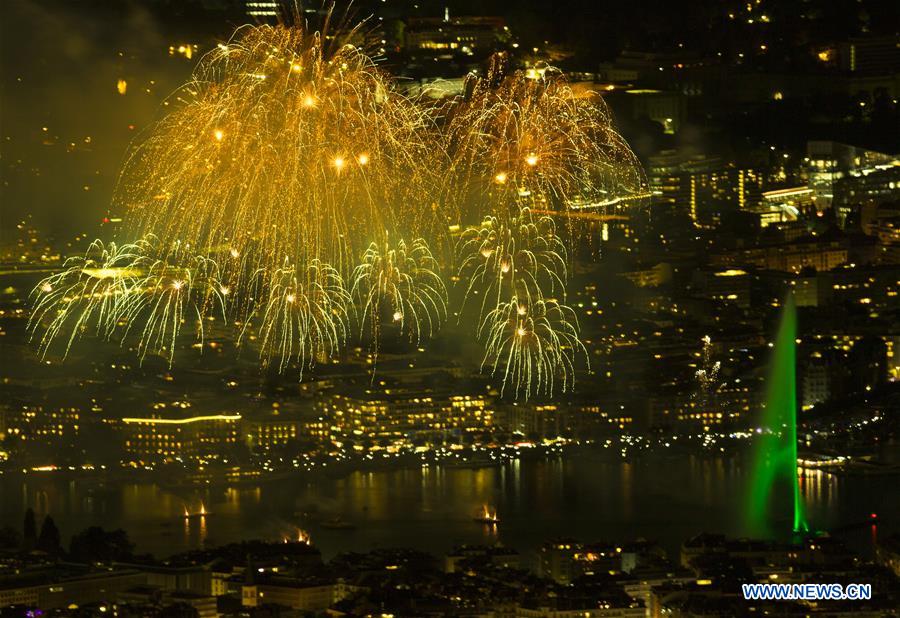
pixel 775 456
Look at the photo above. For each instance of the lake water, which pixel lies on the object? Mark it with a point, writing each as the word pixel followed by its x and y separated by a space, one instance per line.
pixel 589 496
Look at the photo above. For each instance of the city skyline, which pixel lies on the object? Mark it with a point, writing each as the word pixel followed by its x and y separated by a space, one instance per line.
pixel 455 309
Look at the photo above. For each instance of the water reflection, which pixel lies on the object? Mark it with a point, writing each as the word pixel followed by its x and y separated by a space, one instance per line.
pixel 432 507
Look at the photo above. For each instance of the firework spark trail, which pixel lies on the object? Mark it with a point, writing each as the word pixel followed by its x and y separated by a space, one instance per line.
pixel 110 289
pixel 518 142
pixel 519 139
pixel 283 151
pixel 520 259
pixel 405 280
pixel 175 288
pixel 281 148
pixel 276 190
pixel 304 316
pixel 84 296
pixel 531 345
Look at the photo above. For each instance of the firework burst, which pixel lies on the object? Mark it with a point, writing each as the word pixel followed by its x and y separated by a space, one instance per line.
pixel 84 297
pixel 177 288
pixel 523 143
pixel 531 346
pixel 526 138
pixel 275 193
pixel 402 282
pixel 304 317
pixel 522 259
pixel 280 148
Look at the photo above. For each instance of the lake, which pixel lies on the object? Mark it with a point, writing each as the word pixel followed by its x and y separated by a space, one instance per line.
pixel 588 496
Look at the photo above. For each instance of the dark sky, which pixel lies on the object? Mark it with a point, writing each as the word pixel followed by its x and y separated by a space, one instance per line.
pixel 60 70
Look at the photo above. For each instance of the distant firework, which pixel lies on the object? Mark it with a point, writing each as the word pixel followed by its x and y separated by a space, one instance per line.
pixel 296 194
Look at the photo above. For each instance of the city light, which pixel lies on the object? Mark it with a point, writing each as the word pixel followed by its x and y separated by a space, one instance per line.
pixel 269 272
pixel 182 421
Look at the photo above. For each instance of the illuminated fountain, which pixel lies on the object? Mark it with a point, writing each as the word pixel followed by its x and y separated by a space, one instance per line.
pixel 774 467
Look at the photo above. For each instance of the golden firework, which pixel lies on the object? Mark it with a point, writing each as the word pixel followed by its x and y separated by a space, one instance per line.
pixel 523 258
pixel 303 316
pixel 519 143
pixel 531 346
pixel 404 282
pixel 83 297
pixel 276 193
pixel 523 138
pixel 280 148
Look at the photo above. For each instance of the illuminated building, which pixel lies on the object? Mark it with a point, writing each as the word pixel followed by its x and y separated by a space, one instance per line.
pixel 790 257
pixel 704 186
pixel 867 187
pixel 873 55
pixel 843 365
pixel 883 222
pixel 700 416
pixel 309 595
pixel 396 417
pixel 828 162
pixel 599 420
pixel 815 382
pixel 40 423
pixel 189 438
pixel 876 287
pixel 538 421
pixel 557 560
pixel 454 35
pixel 723 285
pixel 664 175
pixel 272 432
pixel 784 205
pixel 684 413
pixel 469 413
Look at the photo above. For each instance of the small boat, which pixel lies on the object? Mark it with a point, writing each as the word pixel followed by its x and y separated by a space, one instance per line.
pixel 199 514
pixel 487 517
pixel 336 523
pixel 301 537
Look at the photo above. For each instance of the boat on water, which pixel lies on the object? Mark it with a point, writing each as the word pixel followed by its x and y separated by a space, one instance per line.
pixel 487 517
pixel 336 523
pixel 196 514
pixel 302 536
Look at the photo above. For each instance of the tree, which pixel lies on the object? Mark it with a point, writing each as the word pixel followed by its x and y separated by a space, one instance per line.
pixel 29 531
pixel 97 545
pixel 49 540
pixel 10 538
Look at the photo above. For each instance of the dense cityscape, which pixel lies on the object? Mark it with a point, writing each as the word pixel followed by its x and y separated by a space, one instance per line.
pixel 737 286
